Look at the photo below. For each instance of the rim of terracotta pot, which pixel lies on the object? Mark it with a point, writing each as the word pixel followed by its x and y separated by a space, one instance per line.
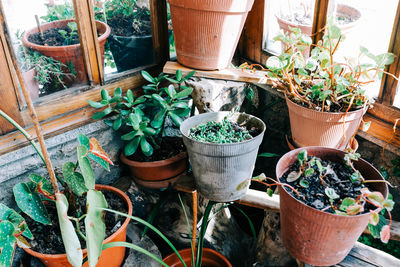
pixel 294 152
pixel 205 250
pixel 26 42
pixel 156 163
pixel 108 239
pixel 342 26
pixel 186 134
pixel 365 108
pixel 225 6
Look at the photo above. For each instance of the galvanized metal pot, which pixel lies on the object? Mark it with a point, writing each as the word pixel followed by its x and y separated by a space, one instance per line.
pixel 222 172
pixel 316 237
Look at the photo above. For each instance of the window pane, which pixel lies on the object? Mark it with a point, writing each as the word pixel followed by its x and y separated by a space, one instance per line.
pixel 50 55
pixel 366 23
pixel 280 15
pixel 130 44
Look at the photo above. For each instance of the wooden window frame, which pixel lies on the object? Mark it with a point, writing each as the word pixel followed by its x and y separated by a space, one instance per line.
pixel 68 108
pixel 383 116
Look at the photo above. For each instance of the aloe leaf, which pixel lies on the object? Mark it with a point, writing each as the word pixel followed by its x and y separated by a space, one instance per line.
pixel 30 203
pixel 70 239
pixel 7 243
pixel 7 214
pixel 85 167
pixel 94 225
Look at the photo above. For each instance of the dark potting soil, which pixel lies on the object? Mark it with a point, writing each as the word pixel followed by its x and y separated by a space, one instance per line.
pixel 223 132
pixel 52 37
pixel 337 177
pixel 127 26
pixel 48 237
pixel 170 146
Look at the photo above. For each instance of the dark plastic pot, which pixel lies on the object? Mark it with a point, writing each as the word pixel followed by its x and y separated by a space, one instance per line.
pixel 111 257
pixel 130 52
pixel 156 174
pixel 315 237
pixel 211 258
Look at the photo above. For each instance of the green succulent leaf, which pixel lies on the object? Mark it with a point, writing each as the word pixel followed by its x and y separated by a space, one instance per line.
pixel 147 149
pixel 117 123
pixel 175 118
pixel 135 120
pixel 159 118
pixel 94 225
pixel 70 239
pixel 105 95
pixel 97 104
pixel 102 114
pixel 147 76
pixel 170 90
pixel 331 193
pixel 304 183
pixel 178 75
pixel 184 93
pixel 302 156
pixel 189 75
pixel 31 203
pixel 132 146
pixel 129 95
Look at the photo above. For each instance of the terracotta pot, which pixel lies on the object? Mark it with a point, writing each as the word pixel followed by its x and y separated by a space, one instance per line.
pixel 340 10
pixel 315 237
pixel 353 144
pixel 68 53
pixel 31 83
pixel 156 172
pixel 211 258
pixel 207 32
pixel 315 128
pixel 111 257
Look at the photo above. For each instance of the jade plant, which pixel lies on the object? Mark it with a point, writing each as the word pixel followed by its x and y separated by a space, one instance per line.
pixel 319 81
pixel 339 189
pixel 145 116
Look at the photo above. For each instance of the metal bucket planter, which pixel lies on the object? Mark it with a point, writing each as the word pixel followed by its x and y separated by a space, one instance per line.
pixel 222 171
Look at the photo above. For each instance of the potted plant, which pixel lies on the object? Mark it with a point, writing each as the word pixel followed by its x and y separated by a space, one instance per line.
pixel 206 33
pixel 301 16
pixel 325 98
pixel 227 144
pixel 154 159
pixel 60 40
pixel 327 198
pixel 131 41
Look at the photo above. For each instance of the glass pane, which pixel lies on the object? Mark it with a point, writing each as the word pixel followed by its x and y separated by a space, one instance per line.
pixel 366 23
pixel 396 101
pixel 50 55
pixel 280 15
pixel 172 51
pixel 130 44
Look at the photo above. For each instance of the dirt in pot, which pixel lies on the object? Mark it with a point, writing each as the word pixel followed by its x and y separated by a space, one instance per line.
pixel 66 35
pixel 334 187
pixel 48 237
pixel 127 26
pixel 223 132
pixel 169 147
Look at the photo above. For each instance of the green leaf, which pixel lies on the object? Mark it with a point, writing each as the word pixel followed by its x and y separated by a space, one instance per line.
pixel 304 183
pixel 178 75
pixel 268 155
pixel 309 172
pixel 375 230
pixel 131 147
pixel 117 123
pixel 189 75
pixel 130 97
pixel 129 136
pixel 102 114
pixel 159 100
pixel 84 140
pixel 374 218
pixel 149 131
pixel 270 192
pixel 7 243
pixel 293 176
pixel 274 63
pixel 94 225
pixel 7 214
pixel 74 179
pixel 346 202
pixel 356 176
pixel 302 156
pixel 105 95
pixel 331 193
pixel 44 183
pixel 147 76
pixel 175 118
pixel 99 161
pixel 184 93
pixel 70 239
pixel 135 120
pixel 117 92
pixel 31 203
pixel 170 90
pixel 97 104
pixel 85 167
pixel 147 149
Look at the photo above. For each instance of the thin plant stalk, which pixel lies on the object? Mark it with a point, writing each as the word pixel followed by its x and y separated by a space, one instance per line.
pixel 203 232
pixel 25 133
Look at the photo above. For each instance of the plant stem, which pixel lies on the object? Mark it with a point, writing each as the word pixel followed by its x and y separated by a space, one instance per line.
pixel 378 181
pixel 203 232
pixel 25 133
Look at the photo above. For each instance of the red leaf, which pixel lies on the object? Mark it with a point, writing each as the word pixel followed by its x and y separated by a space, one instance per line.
pixel 385 234
pixel 96 149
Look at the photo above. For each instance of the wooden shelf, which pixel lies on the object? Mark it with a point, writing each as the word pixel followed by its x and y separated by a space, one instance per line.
pixel 232 74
